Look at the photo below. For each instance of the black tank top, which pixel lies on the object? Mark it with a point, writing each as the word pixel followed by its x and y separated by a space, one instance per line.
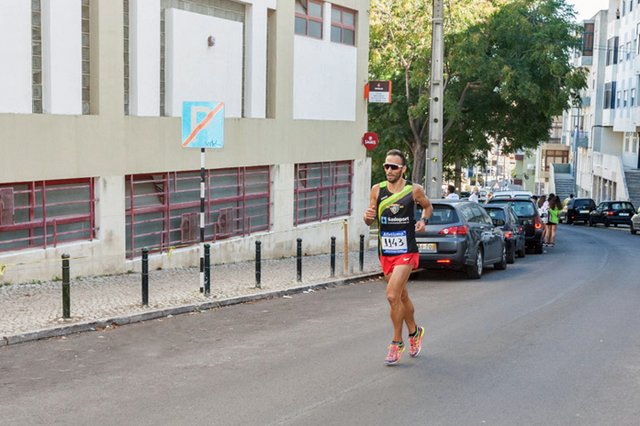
pixel 396 219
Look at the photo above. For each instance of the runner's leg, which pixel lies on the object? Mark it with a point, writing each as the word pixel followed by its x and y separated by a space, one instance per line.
pixel 408 311
pixel 396 284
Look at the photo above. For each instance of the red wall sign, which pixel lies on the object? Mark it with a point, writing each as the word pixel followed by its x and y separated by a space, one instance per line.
pixel 370 140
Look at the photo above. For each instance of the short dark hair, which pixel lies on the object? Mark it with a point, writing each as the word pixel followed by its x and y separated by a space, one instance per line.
pixel 398 153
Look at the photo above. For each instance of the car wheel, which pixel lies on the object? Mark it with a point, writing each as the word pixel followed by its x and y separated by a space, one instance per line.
pixel 475 271
pixel 539 249
pixel 511 254
pixel 590 222
pixel 606 223
pixel 503 261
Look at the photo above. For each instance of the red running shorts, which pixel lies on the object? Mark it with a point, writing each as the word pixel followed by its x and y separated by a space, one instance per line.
pixel 390 262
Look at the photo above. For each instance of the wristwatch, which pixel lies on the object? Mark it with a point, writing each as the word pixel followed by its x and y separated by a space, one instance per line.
pixel 425 220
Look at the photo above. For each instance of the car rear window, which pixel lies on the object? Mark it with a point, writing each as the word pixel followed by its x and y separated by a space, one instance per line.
pixel 443 215
pixel 621 206
pixel 582 203
pixel 496 214
pixel 523 208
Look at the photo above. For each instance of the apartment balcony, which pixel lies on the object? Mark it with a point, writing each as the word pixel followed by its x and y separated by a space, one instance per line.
pixel 582 140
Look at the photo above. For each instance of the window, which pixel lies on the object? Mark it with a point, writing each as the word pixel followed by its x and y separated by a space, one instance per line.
pixel 624 98
pixel 343 25
pixel 612 51
pixel 621 53
pixel 609 99
pixel 587 39
pixel 632 99
pixel 46 213
pixel 309 18
pixel 628 50
pixel 618 97
pixel 162 209
pixel 627 138
pixel 555 157
pixel 322 191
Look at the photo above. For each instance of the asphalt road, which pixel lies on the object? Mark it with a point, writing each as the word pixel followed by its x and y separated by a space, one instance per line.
pixel 553 340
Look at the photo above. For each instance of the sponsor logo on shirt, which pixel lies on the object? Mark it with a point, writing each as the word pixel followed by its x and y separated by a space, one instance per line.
pixel 385 220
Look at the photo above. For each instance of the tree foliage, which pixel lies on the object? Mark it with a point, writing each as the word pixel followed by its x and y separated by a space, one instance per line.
pixel 507 74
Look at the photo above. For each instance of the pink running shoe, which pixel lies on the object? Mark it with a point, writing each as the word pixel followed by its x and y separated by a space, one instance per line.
pixel 395 352
pixel 416 343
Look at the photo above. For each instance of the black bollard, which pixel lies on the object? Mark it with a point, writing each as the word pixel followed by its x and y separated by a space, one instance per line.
pixel 145 276
pixel 361 252
pixel 333 256
pixel 258 263
pixel 66 288
pixel 299 260
pixel 207 269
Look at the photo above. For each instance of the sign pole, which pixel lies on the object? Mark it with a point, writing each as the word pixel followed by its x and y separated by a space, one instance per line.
pixel 203 127
pixel 202 186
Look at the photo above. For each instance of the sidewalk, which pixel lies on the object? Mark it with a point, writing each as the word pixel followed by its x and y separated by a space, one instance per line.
pixel 34 311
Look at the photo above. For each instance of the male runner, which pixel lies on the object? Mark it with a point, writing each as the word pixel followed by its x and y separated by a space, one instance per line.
pixel 392 203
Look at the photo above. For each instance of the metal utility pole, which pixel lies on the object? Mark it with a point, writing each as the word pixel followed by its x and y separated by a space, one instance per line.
pixel 433 161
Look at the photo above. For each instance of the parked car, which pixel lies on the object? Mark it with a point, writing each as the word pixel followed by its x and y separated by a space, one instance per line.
pixel 635 222
pixel 461 236
pixel 612 213
pixel 528 217
pixel 577 210
pixel 506 219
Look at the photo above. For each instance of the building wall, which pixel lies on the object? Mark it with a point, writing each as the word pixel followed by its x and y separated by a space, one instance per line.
pixel 109 144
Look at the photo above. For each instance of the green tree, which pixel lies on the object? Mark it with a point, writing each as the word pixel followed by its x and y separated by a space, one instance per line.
pixel 507 72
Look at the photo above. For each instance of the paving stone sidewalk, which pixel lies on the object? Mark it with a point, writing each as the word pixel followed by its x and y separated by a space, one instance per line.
pixel 32 311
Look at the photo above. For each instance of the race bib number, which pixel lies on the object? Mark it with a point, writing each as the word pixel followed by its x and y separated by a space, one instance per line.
pixel 394 242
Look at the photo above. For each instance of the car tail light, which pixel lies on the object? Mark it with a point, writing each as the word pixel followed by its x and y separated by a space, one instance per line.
pixel 444 261
pixel 508 234
pixel 609 213
pixel 454 230
pixel 538 223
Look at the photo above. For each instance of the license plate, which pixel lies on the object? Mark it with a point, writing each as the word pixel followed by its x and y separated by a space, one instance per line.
pixel 428 247
pixel 584 211
pixel 624 214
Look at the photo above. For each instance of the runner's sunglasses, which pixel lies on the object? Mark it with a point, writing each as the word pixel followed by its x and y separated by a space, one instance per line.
pixel 391 166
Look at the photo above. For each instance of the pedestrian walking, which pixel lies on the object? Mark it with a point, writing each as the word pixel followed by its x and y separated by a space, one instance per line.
pixel 555 207
pixel 392 203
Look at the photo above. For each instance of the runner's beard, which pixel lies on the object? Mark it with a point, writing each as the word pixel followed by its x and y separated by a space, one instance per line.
pixel 394 177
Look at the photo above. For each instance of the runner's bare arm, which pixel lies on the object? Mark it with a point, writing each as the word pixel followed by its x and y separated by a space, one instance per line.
pixel 421 198
pixel 370 213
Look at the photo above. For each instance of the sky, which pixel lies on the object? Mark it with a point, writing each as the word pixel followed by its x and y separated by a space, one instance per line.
pixel 587 8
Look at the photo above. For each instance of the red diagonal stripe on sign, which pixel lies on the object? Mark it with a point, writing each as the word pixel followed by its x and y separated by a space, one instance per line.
pixel 202 124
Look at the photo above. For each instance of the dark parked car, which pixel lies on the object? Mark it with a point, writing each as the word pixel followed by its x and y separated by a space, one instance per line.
pixel 528 217
pixel 461 236
pixel 506 219
pixel 577 210
pixel 612 213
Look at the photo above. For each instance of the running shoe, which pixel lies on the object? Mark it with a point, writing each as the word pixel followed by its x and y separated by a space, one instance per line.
pixel 395 352
pixel 415 343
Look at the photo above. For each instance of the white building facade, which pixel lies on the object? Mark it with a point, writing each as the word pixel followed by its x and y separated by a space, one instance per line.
pixel 91 102
pixel 603 132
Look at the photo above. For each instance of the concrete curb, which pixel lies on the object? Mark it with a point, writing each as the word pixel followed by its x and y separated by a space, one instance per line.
pixel 93 325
